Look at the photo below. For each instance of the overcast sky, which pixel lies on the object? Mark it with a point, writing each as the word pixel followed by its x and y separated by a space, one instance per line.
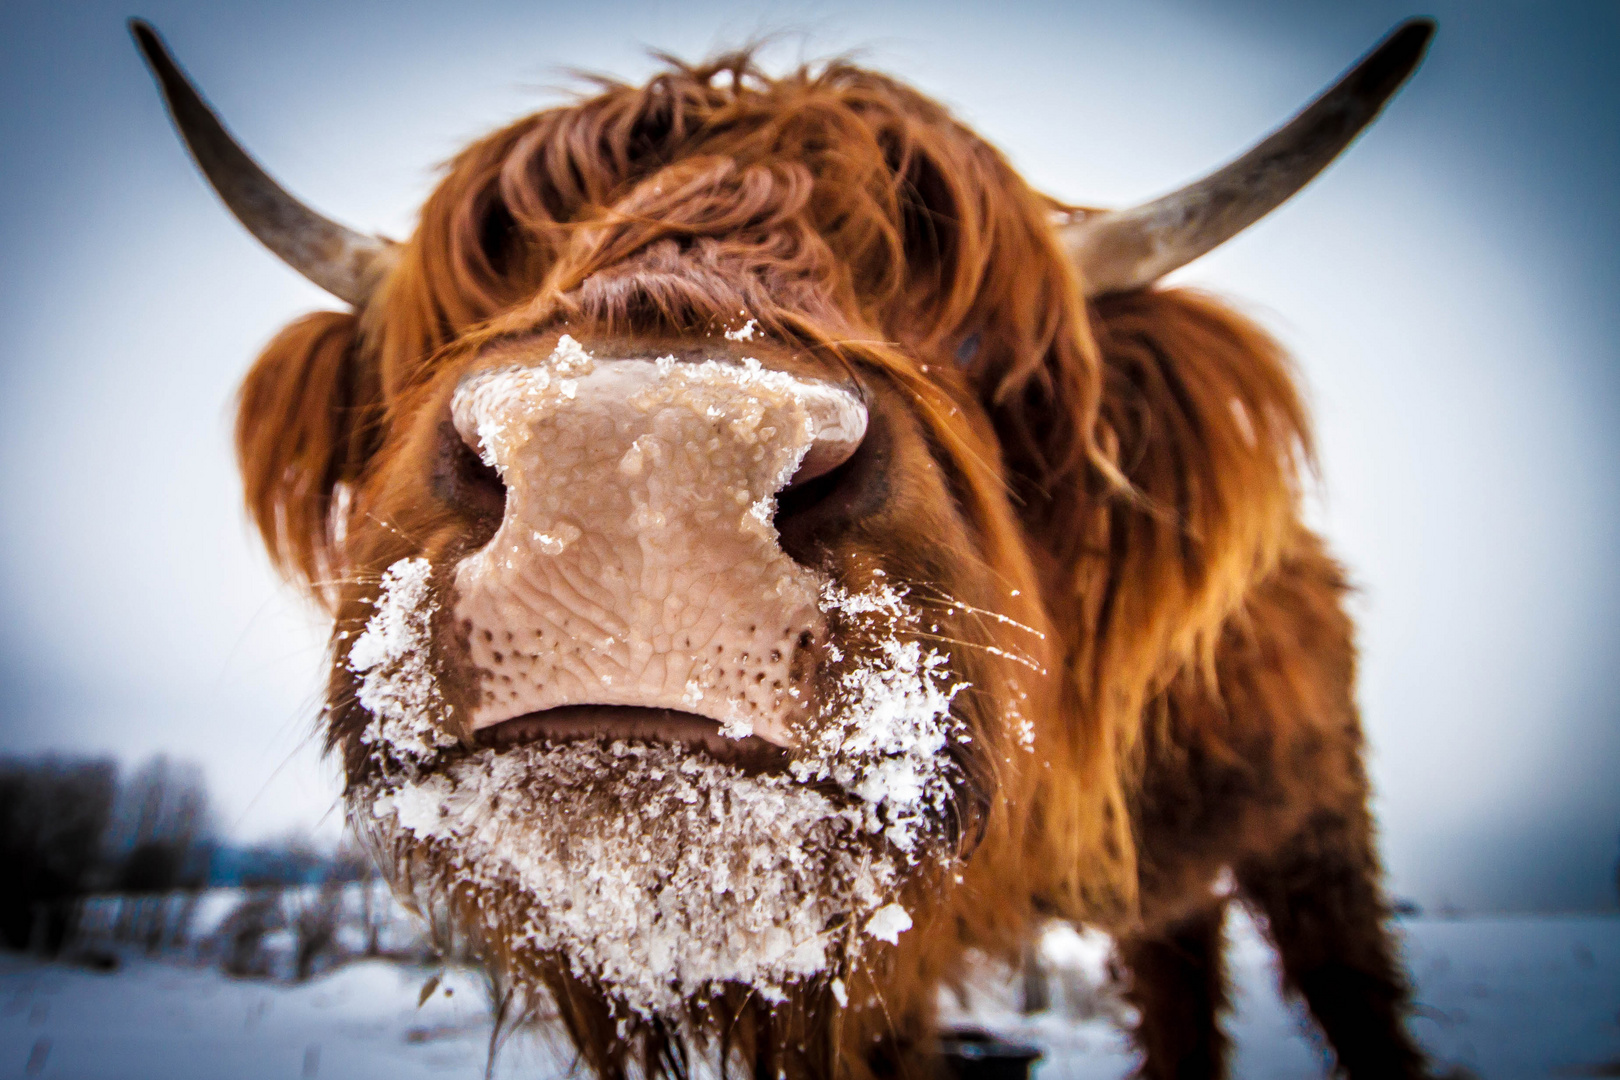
pixel 1449 289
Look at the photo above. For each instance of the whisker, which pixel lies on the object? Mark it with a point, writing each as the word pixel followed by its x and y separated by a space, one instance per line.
pixel 1034 666
pixel 1037 668
pixel 391 527
pixel 946 600
pixel 356 578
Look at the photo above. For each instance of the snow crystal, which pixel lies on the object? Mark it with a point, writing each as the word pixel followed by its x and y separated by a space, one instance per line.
pixel 888 923
pixel 744 333
pixel 570 357
pixel 419 807
pixel 558 539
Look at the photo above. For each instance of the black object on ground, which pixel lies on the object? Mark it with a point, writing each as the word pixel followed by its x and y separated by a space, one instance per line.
pixel 973 1054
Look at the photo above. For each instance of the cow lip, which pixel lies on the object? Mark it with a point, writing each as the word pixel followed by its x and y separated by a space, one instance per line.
pixel 574 723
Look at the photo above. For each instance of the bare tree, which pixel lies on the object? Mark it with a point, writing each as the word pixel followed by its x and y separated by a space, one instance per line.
pixel 159 841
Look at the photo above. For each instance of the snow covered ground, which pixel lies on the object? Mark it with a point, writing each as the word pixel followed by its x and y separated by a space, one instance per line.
pixel 1506 998
pixel 158 1020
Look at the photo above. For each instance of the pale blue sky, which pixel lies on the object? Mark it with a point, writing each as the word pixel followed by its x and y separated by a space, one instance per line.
pixel 1449 289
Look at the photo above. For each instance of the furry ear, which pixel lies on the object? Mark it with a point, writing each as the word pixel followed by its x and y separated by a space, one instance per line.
pixel 306 421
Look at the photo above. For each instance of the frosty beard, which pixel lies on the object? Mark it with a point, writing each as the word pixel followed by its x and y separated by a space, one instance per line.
pixel 649 871
pixel 654 871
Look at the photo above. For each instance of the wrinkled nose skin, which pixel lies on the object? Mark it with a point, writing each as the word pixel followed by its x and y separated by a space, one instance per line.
pixel 637 563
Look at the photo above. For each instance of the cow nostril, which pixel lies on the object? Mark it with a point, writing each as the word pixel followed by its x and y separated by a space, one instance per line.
pixel 800 496
pixel 483 477
pixel 464 480
pixel 828 453
pixel 815 510
pixel 838 419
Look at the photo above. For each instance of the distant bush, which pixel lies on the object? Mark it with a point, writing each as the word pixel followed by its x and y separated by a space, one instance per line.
pixel 315 925
pixel 243 932
pixel 68 828
pixel 53 814
pixel 90 864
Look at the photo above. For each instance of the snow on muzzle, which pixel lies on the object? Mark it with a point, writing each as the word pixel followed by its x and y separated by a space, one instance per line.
pixel 637 563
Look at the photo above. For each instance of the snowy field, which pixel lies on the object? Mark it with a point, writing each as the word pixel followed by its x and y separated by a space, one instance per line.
pixel 1505 998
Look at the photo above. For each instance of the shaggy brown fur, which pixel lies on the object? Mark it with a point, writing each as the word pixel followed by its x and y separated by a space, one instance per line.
pixel 1123 475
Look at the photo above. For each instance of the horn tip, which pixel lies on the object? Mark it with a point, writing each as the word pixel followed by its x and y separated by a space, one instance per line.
pixel 147 39
pixel 1415 33
pixel 1390 63
pixel 1418 24
pixel 143 32
pixel 1408 42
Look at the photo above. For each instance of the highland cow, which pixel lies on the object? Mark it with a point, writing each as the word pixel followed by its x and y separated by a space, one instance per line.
pixel 775 554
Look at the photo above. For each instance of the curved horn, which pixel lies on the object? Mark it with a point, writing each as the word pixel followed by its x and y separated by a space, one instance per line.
pixel 1121 250
pixel 333 256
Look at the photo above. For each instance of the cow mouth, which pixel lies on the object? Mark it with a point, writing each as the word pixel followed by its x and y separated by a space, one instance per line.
pixel 575 723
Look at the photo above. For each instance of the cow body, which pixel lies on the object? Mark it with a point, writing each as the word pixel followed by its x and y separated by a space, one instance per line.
pixel 764 574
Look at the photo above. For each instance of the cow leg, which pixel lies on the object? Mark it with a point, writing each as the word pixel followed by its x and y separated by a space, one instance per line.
pixel 1178 985
pixel 1325 914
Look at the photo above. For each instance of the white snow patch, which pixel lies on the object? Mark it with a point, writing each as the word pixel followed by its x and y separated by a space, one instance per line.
pixel 888 738
pixel 397 686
